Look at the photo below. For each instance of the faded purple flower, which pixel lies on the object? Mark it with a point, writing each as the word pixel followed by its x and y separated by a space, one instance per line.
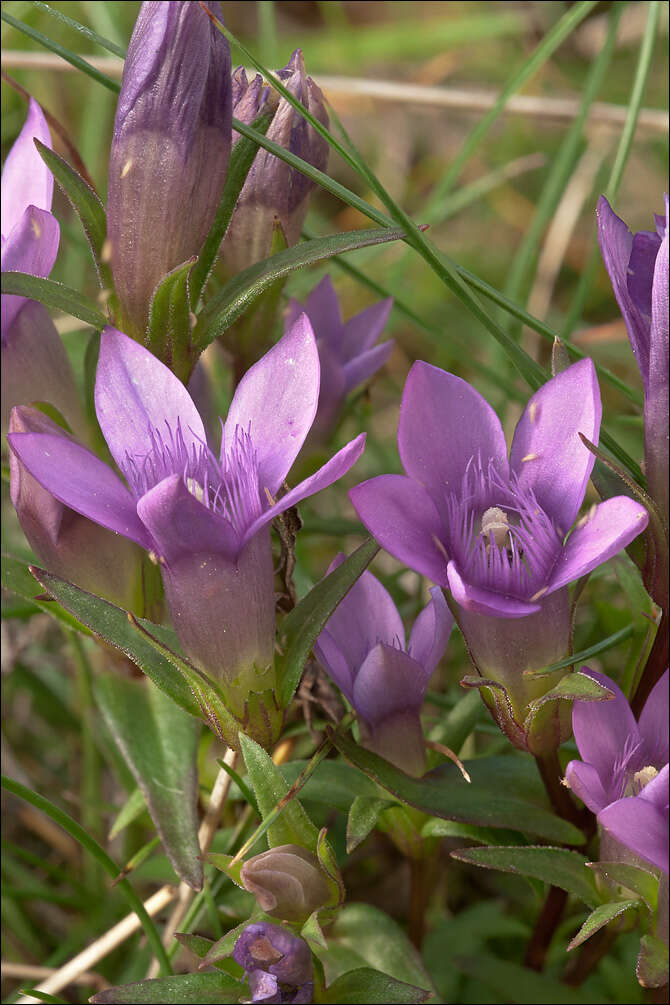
pixel 493 530
pixel 35 366
pixel 638 270
pixel 273 190
pixel 205 519
pixel 363 649
pixel 623 774
pixel 347 350
pixel 170 150
pixel 287 882
pixel 278 965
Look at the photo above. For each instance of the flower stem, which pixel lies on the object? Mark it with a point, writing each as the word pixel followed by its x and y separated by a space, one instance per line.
pixel 559 797
pixel 545 926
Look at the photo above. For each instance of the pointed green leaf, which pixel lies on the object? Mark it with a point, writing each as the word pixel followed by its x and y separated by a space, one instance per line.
pixel 133 807
pixel 363 986
pixel 169 330
pixel 491 800
pixel 573 687
pixel 555 866
pixel 652 962
pixel 301 628
pixel 631 878
pixel 54 295
pixel 238 294
pixel 334 783
pixel 201 989
pixel 159 742
pixel 363 816
pixel 435 827
pixel 224 863
pixel 599 918
pixel 16 576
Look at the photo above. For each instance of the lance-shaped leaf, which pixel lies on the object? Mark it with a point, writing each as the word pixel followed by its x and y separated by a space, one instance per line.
pixel 632 878
pixel 169 330
pixel 363 816
pixel 652 962
pixel 16 577
pixel 301 628
pixel 493 799
pixel 601 917
pixel 363 986
pixel 159 743
pixel 238 294
pixel 55 295
pixel 556 866
pixel 201 989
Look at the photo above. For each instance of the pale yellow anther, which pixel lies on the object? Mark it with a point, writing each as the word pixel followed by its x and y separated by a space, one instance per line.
pixel 268 495
pixel 106 251
pixel 532 411
pixel 495 525
pixel 195 488
pixel 643 777
pixel 440 547
pixel 529 457
pixel 127 167
pixel 36 229
pixel 540 593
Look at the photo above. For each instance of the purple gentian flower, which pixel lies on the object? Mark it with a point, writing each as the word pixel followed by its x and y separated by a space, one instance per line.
pixel 278 965
pixel 273 190
pixel 170 149
pixel 623 774
pixel 493 530
pixel 35 366
pixel 638 269
pixel 347 350
pixel 363 649
pixel 205 519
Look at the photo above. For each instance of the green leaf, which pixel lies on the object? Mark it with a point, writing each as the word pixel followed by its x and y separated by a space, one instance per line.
pixel 573 687
pixel 159 742
pixel 493 799
pixel 93 36
pixel 363 986
pixel 435 827
pixel 301 628
pixel 599 918
pixel 581 657
pixel 631 878
pixel 111 624
pixel 652 962
pixel 55 295
pixel 133 807
pixel 334 783
pixel 169 330
pixel 16 576
pixel 363 816
pixel 555 866
pixel 512 982
pixel 238 294
pixel 201 989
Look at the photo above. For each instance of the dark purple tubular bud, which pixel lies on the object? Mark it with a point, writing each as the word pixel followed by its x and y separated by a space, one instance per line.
pixel 278 964
pixel 170 150
pixel 287 881
pixel 272 189
pixel 68 544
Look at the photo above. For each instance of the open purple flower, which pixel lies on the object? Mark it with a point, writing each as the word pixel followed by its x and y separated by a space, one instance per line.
pixel 638 270
pixel 278 965
pixel 493 530
pixel 205 519
pixel 363 649
pixel 347 350
pixel 623 774
pixel 170 150
pixel 35 366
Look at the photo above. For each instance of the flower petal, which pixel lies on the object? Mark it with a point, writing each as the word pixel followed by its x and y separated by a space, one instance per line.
pixel 616 245
pixel 547 454
pixel 332 659
pixel 31 247
pixel 323 310
pixel 402 517
pixel 26 180
pixel 180 525
pixel 656 399
pixel 601 730
pixel 362 367
pixel 639 825
pixel 325 476
pixel 609 527
pixel 444 423
pixel 362 331
pixel 78 478
pixel 276 402
pixel 389 681
pixel 480 601
pixel 587 785
pixel 134 394
pixel 641 269
pixel 653 724
pixel 430 632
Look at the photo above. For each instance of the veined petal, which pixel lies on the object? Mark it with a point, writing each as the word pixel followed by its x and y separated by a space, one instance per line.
pixel 443 424
pixel 547 454
pixel 325 476
pixel 601 729
pixel 389 681
pixel 480 601
pixel 430 632
pixel 364 366
pixel 656 405
pixel 275 402
pixel 78 478
pixel 134 394
pixel 639 825
pixel 587 784
pixel 180 525
pixel 610 527
pixel 31 247
pixel 362 331
pixel 402 517
pixel 26 180
pixel 653 723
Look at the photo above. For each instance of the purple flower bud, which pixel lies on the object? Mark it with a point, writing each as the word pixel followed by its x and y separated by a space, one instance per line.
pixel 35 366
pixel 287 882
pixel 70 545
pixel 272 190
pixel 278 964
pixel 170 150
pixel 493 530
pixel 363 649
pixel 347 350
pixel 623 774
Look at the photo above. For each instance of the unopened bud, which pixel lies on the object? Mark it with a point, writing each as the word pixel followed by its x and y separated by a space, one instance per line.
pixel 287 881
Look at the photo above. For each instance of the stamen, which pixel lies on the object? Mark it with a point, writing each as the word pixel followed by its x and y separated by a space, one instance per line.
pixel 529 457
pixel 540 593
pixel 532 411
pixel 125 170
